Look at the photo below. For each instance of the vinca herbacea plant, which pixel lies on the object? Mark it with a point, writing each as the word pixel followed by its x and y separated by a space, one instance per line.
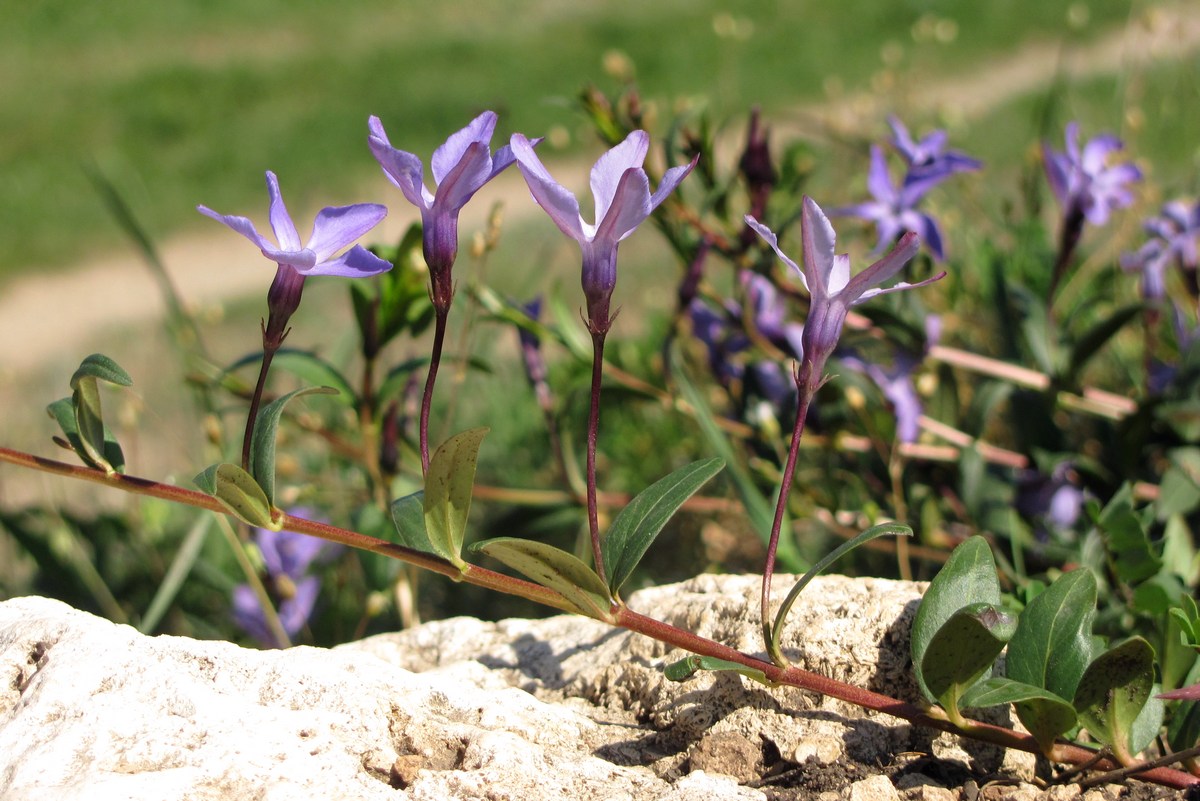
pixel 960 417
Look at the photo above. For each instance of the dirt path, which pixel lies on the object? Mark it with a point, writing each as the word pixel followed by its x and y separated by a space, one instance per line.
pixel 45 317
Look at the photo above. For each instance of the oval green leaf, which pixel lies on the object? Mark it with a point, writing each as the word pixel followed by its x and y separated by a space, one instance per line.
pixel 262 443
pixel 1113 691
pixel 636 526
pixel 448 486
pixel 1044 714
pixel 689 666
pixel 408 515
pixel 962 651
pixel 554 568
pixel 101 367
pixel 1052 645
pixel 238 492
pixel 968 577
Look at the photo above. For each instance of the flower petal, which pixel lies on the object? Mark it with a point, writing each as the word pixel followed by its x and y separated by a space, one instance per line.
pixel 818 237
pixel 472 171
pixel 859 287
pixel 769 237
pixel 560 204
pixel 879 183
pixel 281 221
pixel 357 262
pixel 337 227
pixel 610 168
pixel 454 149
pixel 240 224
pixel 630 206
pixel 403 169
pixel 670 180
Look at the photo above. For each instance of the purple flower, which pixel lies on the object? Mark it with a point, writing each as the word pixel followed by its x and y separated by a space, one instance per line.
pixel 929 162
pixel 1172 238
pixel 287 559
pixel 461 165
pixel 893 209
pixel 335 228
pixel 1054 500
pixel 896 382
pixel 1085 181
pixel 621 191
pixel 767 314
pixel 826 276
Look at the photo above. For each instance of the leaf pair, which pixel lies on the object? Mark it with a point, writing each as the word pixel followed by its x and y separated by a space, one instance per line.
pixel 1055 678
pixel 81 416
pixel 250 495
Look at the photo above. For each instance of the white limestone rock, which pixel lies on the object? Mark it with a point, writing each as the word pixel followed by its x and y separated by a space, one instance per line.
pixel 564 707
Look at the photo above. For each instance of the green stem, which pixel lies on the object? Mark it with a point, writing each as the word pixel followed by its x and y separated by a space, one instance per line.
pixel 592 429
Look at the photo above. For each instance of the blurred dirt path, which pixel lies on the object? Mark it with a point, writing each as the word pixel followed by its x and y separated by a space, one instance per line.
pixel 53 318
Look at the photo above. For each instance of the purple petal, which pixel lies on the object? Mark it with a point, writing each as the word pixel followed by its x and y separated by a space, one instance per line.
pixel 295 611
pixel 670 180
pixel 839 273
pixel 857 290
pixel 337 227
pixel 1058 172
pixel 879 183
pixel 818 239
pixel 630 206
pixel 240 224
pixel 281 221
pixel 769 237
pixel 900 287
pixel 358 262
pixel 447 157
pixel 403 169
pixel 610 168
pixel 1096 152
pixel 468 174
pixel 560 204
pixel 249 616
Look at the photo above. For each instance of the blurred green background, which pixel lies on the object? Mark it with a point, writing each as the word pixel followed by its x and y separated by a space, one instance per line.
pixel 189 102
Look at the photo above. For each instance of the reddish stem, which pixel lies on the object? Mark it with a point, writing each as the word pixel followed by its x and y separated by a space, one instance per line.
pixel 439 336
pixel 593 428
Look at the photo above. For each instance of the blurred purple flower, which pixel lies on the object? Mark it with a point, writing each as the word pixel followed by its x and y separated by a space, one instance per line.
pixel 929 162
pixel 621 191
pixel 461 165
pixel 827 278
pixel 1172 238
pixel 287 559
pixel 893 209
pixel 722 337
pixel 768 314
pixel 1054 500
pixel 896 382
pixel 1085 181
pixel 334 228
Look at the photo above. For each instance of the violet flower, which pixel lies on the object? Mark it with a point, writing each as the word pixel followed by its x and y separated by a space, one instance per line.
pixel 827 278
pixel 621 191
pixel 929 162
pixel 896 382
pixel 894 208
pixel 335 228
pixel 1172 238
pixel 1085 181
pixel 461 165
pixel 287 558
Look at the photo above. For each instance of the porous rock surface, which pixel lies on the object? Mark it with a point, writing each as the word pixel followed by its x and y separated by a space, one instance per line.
pixel 564 707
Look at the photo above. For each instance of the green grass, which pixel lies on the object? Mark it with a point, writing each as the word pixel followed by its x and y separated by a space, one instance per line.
pixel 186 103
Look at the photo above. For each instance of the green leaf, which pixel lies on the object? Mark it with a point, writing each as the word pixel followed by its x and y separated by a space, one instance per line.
pixel 1053 642
pixel 239 493
pixel 689 666
pixel 553 568
pixel 636 526
pixel 1095 337
pixel 449 483
pixel 1148 724
pixel 1179 490
pixel 262 443
pixel 760 511
pixel 1188 618
pixel 962 651
pixel 1131 555
pixel 102 368
pixel 881 530
pixel 1113 690
pixel 1044 714
pixel 408 515
pixel 63 412
pixel 968 578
